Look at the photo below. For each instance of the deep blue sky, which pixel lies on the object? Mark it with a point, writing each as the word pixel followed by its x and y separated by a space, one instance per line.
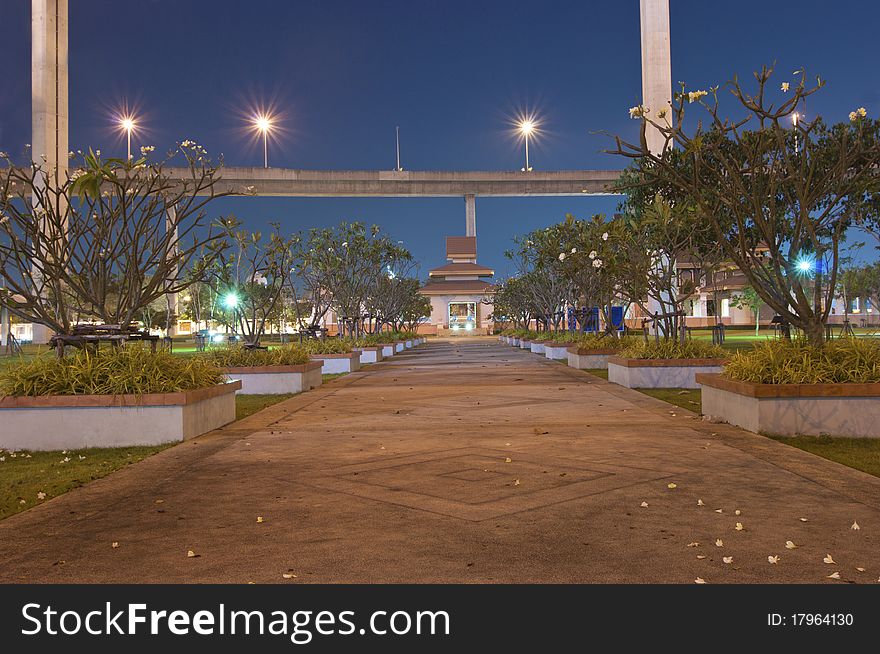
pixel 450 74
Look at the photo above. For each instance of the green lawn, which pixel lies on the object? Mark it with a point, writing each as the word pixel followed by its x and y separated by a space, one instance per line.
pixel 24 476
pixel 598 372
pixel 686 398
pixel 859 453
pixel 246 405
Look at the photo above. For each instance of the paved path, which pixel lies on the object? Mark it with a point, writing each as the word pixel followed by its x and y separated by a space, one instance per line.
pixel 462 462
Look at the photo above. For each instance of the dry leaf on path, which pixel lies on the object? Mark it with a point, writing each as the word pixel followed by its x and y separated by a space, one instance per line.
pixel 719 542
pixel 828 559
pixel 834 575
pixel 644 505
pixel 789 545
pixel 773 559
pixel 699 580
pixel 855 526
pixel 727 559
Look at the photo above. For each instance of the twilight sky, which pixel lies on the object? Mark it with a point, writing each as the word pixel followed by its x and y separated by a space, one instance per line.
pixel 451 74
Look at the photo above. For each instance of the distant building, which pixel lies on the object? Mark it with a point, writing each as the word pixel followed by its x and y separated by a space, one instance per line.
pixel 458 289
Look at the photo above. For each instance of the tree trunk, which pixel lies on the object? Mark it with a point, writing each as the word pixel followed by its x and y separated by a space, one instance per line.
pixel 815 333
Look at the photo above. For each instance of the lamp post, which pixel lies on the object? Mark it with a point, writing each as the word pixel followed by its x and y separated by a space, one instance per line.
pixel 526 127
pixel 127 124
pixel 263 124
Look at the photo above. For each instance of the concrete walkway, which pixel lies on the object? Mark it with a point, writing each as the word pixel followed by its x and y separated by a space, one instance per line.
pixel 467 461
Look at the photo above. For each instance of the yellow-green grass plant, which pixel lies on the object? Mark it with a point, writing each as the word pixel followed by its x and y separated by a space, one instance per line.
pixel 327 346
pixel 593 341
pixel 240 357
pixel 839 361
pixel 132 369
pixel 672 349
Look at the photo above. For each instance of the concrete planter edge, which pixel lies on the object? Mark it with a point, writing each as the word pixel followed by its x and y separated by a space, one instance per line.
pixel 850 410
pixel 59 422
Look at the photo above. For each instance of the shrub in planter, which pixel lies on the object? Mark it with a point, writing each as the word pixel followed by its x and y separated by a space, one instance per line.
pixel 791 388
pixel 128 370
pixel 591 351
pixel 115 397
pixel 841 361
pixel 285 369
pixel 664 364
pixel 335 354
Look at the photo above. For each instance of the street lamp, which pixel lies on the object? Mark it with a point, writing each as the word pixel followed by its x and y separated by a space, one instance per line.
pixel 230 301
pixel 128 124
pixel 526 128
pixel 263 124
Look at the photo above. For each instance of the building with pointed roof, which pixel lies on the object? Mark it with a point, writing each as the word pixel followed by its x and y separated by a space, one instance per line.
pixel 460 291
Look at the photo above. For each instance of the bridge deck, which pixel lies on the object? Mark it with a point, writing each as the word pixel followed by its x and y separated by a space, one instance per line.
pixel 390 183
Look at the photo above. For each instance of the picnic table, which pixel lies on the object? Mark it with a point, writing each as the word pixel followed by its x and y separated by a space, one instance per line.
pixel 85 336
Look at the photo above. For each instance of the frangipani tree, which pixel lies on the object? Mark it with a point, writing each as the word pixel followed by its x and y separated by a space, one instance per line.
pixel 539 258
pixel 779 194
pixel 107 241
pixel 250 276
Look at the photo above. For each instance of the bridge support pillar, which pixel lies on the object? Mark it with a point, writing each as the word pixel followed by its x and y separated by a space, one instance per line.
pixel 49 116
pixel 656 64
pixel 470 215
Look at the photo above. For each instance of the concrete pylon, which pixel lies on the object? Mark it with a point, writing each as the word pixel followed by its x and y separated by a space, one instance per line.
pixel 656 64
pixel 470 215
pixel 49 74
pixel 656 87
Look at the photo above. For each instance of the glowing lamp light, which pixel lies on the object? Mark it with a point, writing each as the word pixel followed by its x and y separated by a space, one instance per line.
pixel 805 266
pixel 230 301
pixel 263 123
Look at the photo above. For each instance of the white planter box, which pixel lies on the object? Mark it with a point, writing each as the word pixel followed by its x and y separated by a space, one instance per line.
pixel 537 347
pixel 275 380
pixel 525 345
pixel 659 373
pixel 408 344
pixel 333 364
pixel 388 350
pixel 73 422
pixel 369 354
pixel 791 409
pixel 589 359
pixel 556 351
pixel 399 346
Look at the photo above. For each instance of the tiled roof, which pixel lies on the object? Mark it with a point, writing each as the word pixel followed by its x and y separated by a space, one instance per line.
pixel 451 287
pixel 462 269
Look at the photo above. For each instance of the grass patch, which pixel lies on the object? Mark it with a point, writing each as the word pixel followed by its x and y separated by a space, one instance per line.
pixel 672 349
pixel 110 371
pixel 247 405
pixel 332 376
pixel 859 453
pixel 598 372
pixel 240 357
pixel 27 474
pixel 842 360
pixel 686 398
